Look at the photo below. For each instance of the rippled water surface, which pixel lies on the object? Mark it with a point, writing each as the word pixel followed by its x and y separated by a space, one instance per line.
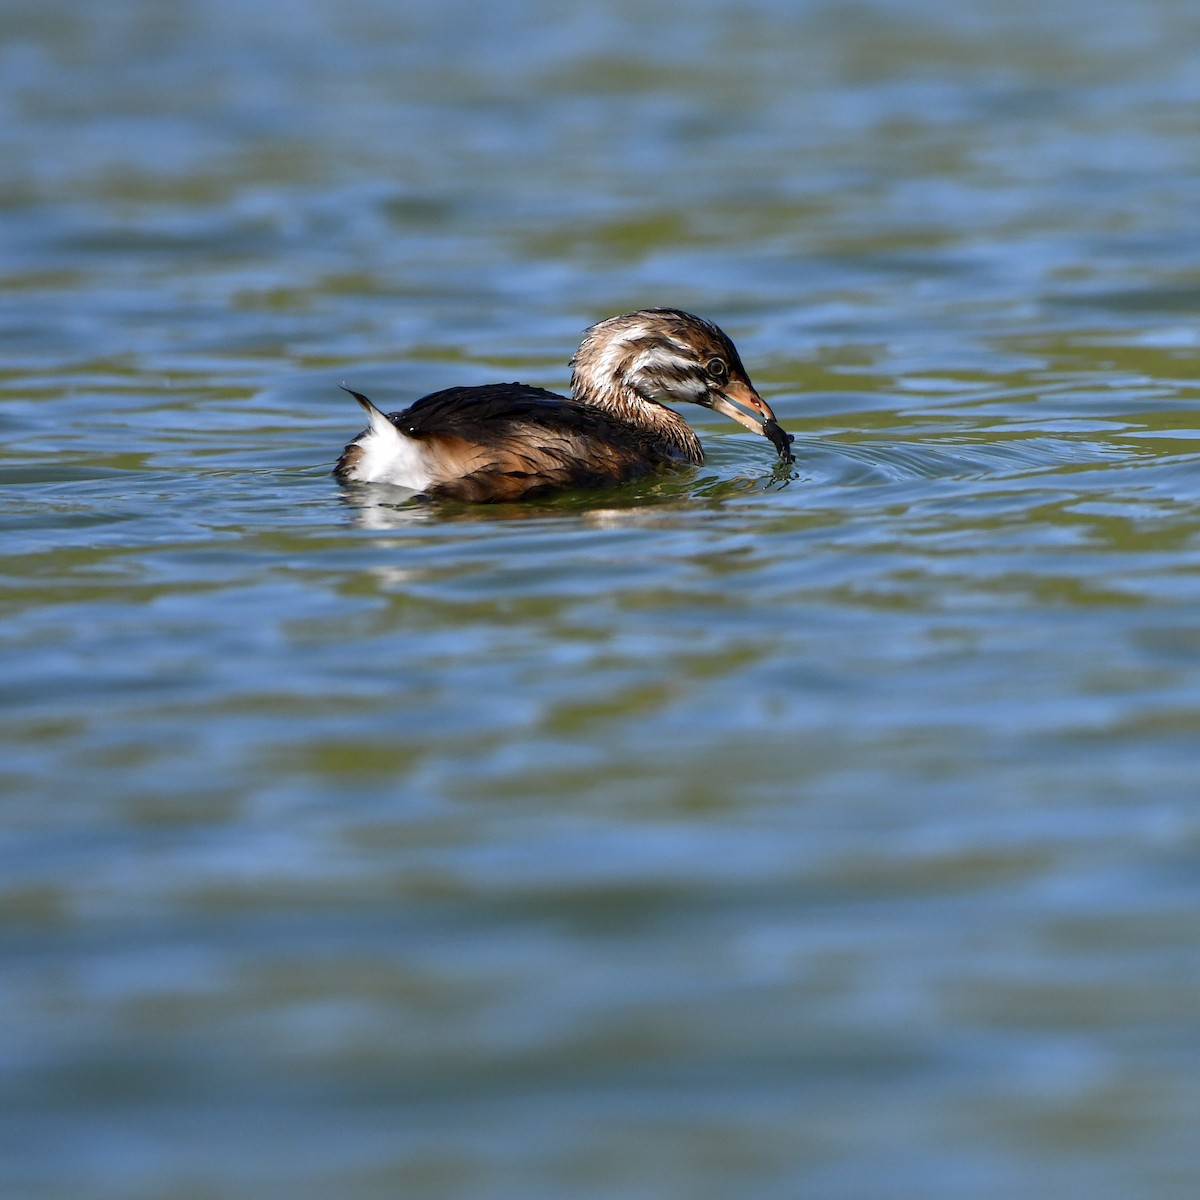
pixel 741 832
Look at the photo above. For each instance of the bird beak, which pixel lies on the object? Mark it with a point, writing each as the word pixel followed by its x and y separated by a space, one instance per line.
pixel 741 402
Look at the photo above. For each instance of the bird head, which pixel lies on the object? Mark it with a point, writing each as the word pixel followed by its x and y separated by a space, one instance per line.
pixel 667 356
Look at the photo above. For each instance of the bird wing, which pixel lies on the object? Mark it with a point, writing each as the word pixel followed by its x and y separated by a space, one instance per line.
pixel 506 441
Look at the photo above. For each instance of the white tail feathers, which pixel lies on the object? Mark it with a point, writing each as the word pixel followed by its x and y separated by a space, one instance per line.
pixel 387 454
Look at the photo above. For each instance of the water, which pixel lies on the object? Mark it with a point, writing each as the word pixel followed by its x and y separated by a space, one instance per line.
pixel 729 834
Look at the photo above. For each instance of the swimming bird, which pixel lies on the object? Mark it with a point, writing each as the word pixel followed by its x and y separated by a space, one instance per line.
pixel 506 441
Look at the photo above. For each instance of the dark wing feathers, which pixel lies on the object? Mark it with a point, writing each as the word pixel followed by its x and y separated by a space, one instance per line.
pixel 505 441
pixel 459 407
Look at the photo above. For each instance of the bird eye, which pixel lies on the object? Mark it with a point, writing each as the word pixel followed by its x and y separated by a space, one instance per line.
pixel 718 370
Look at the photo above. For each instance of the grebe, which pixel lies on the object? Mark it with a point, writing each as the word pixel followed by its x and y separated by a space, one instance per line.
pixel 504 441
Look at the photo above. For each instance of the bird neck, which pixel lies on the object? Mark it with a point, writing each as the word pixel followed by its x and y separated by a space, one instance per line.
pixel 625 406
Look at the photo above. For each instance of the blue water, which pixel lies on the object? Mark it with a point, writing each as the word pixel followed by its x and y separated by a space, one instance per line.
pixel 740 832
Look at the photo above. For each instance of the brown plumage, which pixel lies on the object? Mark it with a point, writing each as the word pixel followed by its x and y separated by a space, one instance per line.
pixel 506 441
